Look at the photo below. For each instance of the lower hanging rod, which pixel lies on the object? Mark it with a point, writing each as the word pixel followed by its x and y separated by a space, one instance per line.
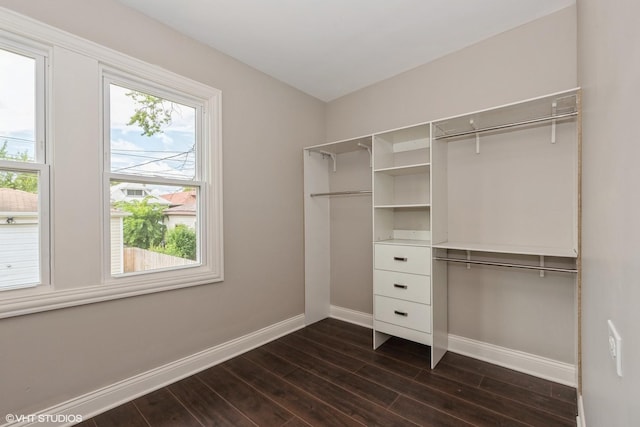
pixel 341 193
pixel 504 264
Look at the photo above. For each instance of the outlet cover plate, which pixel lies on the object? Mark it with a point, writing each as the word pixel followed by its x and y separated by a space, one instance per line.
pixel 615 346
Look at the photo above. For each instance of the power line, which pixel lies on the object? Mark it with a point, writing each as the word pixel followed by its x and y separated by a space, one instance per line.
pixel 126 156
pixel 18 139
pixel 145 151
pixel 153 161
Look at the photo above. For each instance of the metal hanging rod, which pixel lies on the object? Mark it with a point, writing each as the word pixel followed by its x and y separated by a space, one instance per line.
pixel 509 125
pixel 504 264
pixel 341 193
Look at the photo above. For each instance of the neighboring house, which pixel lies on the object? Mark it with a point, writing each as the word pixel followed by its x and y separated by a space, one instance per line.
pixel 19 238
pixel 117 240
pixel 180 198
pixel 184 214
pixel 130 191
pixel 182 211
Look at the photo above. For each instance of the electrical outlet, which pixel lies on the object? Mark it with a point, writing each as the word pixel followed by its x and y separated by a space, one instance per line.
pixel 615 347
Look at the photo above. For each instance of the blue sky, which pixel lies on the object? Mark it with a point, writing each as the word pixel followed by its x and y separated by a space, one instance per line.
pixel 168 154
pixel 17 103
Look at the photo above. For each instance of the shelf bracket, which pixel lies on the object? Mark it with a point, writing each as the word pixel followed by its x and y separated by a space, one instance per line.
pixel 554 107
pixel 366 147
pixel 326 154
pixel 473 126
pixel 542 265
pixel 468 259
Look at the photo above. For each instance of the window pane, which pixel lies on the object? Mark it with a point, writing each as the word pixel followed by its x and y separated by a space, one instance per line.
pixel 17 107
pixel 151 136
pixel 19 230
pixel 154 230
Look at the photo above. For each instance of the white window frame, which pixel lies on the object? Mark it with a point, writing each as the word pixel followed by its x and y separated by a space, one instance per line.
pixel 208 181
pixel 17 28
pixel 40 165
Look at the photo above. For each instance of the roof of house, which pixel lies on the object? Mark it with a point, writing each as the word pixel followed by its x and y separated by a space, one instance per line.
pixel 119 193
pixel 17 201
pixel 188 209
pixel 181 198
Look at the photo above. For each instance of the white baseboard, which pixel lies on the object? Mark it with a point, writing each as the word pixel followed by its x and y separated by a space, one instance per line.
pixel 580 419
pixel 116 394
pixel 542 367
pixel 351 316
pixel 563 373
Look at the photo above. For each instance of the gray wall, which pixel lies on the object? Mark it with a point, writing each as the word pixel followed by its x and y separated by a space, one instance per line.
pixel 532 60
pixel 609 63
pixel 50 357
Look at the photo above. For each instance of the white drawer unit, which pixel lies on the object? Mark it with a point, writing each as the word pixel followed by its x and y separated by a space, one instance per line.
pixel 407 314
pixel 403 258
pixel 406 286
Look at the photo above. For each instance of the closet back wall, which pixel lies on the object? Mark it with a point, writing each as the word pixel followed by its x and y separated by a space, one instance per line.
pixel 50 357
pixel 351 231
pixel 535 59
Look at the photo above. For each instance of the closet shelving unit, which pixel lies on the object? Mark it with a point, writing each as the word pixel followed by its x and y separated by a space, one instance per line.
pixel 508 179
pixel 402 186
pixel 403 296
pixel 495 189
pixel 323 166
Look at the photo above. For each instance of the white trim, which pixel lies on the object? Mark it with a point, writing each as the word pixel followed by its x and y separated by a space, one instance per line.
pixel 538 366
pixel 40 32
pixel 351 316
pixel 44 298
pixel 103 399
pixel 542 367
pixel 580 419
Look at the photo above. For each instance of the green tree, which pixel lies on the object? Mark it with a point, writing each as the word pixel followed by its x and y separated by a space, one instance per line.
pixel 180 241
pixel 143 228
pixel 24 181
pixel 151 113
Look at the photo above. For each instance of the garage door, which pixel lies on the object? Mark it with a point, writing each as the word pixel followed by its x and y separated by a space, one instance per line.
pixel 19 255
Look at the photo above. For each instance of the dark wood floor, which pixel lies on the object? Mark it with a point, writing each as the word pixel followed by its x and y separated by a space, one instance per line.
pixel 328 375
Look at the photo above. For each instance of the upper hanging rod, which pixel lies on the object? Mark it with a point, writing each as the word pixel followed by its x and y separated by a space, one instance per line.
pixel 341 193
pixel 509 125
pixel 504 264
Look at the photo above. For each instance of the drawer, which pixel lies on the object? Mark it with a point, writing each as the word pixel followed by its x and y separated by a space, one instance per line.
pixel 406 286
pixel 403 313
pixel 406 259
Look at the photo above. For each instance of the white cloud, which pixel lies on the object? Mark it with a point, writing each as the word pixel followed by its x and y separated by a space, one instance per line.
pixel 17 94
pixel 123 107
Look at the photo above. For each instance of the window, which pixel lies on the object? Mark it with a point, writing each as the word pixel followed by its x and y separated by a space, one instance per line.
pixel 160 157
pixel 157 175
pixel 135 193
pixel 24 176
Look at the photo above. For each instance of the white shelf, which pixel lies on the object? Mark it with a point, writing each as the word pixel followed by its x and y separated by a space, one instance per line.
pixel 413 205
pixel 404 242
pixel 508 249
pixel 341 147
pixel 532 110
pixel 405 170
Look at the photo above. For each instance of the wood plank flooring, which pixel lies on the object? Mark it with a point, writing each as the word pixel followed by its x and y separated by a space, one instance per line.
pixel 328 375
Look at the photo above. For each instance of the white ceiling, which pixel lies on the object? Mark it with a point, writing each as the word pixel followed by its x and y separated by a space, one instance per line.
pixel 328 48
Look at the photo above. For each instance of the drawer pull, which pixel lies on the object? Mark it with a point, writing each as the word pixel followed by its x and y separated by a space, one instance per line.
pixel 399 286
pixel 399 258
pixel 400 313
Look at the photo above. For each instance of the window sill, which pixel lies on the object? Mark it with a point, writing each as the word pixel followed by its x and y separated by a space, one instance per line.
pixel 57 299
